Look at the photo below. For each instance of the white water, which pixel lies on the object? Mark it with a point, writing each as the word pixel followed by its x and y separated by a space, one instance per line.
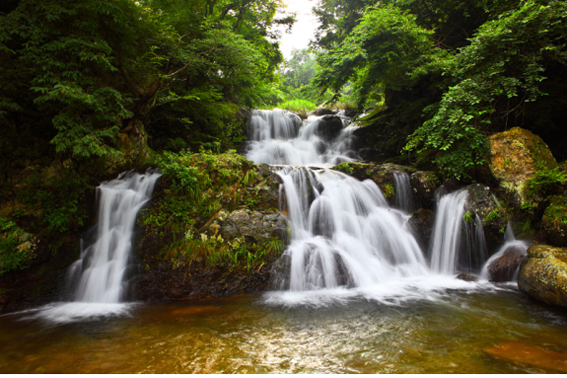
pixel 99 273
pixel 404 196
pixel 447 232
pixel 346 241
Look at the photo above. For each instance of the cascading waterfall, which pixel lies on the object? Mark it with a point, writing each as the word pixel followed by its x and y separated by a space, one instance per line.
pixel 99 273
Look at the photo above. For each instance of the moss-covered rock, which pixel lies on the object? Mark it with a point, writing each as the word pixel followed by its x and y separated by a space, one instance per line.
pixel 543 275
pixel 517 154
pixel 554 221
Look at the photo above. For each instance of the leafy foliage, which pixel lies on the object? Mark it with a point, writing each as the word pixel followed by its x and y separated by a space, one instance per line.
pixel 15 252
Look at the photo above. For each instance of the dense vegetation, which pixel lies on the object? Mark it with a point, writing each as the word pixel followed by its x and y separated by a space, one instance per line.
pixel 470 68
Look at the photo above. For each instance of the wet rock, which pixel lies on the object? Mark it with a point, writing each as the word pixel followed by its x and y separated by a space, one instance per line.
pixel 421 222
pixel 554 221
pixel 467 277
pixel 517 154
pixel 424 185
pixel 329 128
pixel 381 174
pixel 543 275
pixel 524 353
pixel 504 268
pixel 321 111
pixel 481 203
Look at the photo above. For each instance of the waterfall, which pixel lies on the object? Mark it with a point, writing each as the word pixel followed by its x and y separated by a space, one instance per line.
pixel 404 196
pixel 102 265
pixel 98 276
pixel 458 242
pixel 447 232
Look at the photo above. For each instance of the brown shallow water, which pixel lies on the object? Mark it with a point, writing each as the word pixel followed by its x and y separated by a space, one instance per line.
pixel 244 335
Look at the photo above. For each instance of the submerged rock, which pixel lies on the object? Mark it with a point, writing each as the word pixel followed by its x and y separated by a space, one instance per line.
pixel 524 353
pixel 543 275
pixel 517 154
pixel 504 268
pixel 467 277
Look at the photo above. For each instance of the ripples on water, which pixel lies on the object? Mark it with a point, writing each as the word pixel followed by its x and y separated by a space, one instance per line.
pixel 436 331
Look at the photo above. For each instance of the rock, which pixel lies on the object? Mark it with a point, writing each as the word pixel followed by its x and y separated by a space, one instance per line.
pixel 256 227
pixel 523 353
pixel 543 275
pixel 504 268
pixel 424 185
pixel 554 221
pixel 517 154
pixel 329 127
pixel 321 111
pixel 493 217
pixel 421 222
pixel 381 174
pixel 467 277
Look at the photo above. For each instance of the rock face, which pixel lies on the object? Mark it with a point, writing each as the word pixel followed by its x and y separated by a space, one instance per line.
pixel 320 111
pixel 421 222
pixel 554 221
pixel 543 275
pixel 516 156
pixel 329 128
pixel 483 204
pixel 424 185
pixel 504 268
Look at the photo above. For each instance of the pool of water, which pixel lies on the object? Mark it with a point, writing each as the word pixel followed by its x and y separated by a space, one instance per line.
pixel 452 332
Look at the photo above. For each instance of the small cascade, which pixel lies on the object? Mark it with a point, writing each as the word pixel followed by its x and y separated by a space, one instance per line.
pixel 98 276
pixel 101 268
pixel 510 243
pixel 447 232
pixel 458 242
pixel 404 196
pixel 279 137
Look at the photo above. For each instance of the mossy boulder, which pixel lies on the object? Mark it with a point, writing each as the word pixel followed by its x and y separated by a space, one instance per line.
pixel 554 221
pixel 329 127
pixel 517 154
pixel 543 275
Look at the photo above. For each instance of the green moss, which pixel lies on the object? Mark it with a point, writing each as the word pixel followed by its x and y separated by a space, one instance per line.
pixel 388 190
pixel 467 217
pixel 554 219
pixel 493 217
pixel 544 184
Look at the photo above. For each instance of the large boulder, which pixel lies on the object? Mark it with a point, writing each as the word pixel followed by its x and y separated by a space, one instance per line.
pixel 321 111
pixel 543 275
pixel 517 154
pixel 421 222
pixel 554 221
pixel 503 268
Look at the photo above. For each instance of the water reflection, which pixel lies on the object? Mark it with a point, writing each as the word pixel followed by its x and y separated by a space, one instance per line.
pixel 246 334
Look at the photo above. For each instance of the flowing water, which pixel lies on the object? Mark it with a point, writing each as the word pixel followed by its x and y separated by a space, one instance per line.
pixel 98 277
pixel 355 292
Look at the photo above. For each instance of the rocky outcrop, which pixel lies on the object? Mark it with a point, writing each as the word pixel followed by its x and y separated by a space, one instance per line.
pixel 517 154
pixel 543 275
pixel 554 222
pixel 421 223
pixel 424 185
pixel 483 204
pixel 329 127
pixel 504 268
pixel 321 111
